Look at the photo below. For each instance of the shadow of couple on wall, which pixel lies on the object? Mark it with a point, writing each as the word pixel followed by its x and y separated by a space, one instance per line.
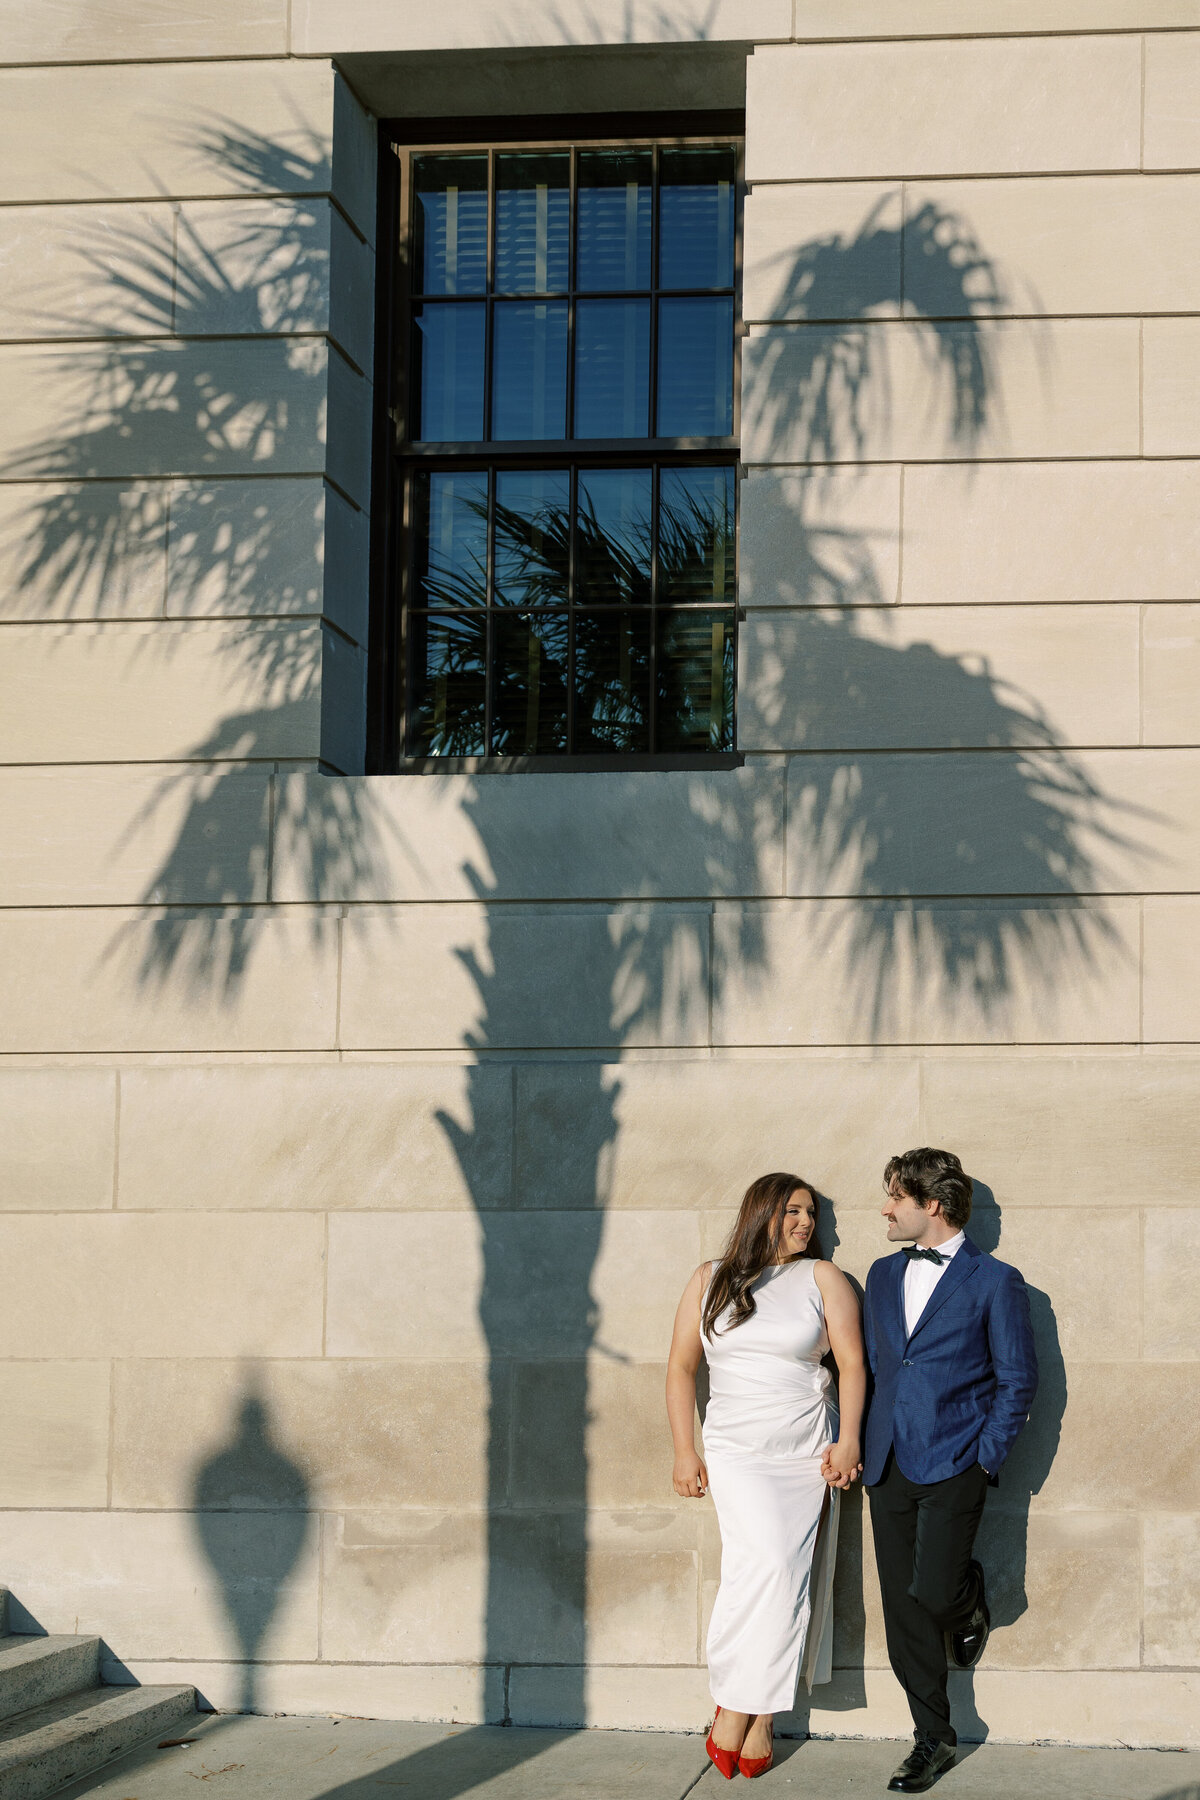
pixel 1023 838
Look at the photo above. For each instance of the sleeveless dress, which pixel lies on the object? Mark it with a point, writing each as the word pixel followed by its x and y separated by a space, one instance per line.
pixel 770 1414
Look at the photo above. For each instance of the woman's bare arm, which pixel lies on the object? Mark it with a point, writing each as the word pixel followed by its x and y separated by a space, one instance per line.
pixel 842 1462
pixel 690 1477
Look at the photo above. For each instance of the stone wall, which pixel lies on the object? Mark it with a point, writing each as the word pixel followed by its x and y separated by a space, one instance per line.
pixel 359 1133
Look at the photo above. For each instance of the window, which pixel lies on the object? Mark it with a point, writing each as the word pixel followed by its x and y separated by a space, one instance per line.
pixel 562 444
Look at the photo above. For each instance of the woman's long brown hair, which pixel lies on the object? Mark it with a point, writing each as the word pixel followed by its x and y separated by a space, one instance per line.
pixel 753 1246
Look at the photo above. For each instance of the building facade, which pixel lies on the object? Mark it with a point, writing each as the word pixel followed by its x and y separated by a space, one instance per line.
pixel 364 1116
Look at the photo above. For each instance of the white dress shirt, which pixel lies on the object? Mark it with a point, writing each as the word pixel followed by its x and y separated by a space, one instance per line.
pixel 922 1276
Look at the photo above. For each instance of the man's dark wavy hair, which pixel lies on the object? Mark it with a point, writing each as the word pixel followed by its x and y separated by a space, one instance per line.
pixel 929 1175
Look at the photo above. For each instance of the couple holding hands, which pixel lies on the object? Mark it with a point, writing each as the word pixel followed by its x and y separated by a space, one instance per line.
pixel 946 1339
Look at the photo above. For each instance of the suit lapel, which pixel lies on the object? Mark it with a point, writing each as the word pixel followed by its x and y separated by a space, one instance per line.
pixel 963 1265
pixel 895 1299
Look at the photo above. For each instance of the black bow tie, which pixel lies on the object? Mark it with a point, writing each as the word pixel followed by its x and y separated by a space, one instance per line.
pixel 912 1253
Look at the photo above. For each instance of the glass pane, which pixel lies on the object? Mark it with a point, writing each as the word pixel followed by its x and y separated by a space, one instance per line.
pixel 448 372
pixel 450 219
pixel 695 681
pixel 529 371
pixel 695 218
pixel 612 681
pixel 533 204
pixel 695 368
pixel 612 368
pixel 447 659
pixel 529 691
pixel 612 244
pixel 450 533
pixel 612 536
pixel 695 535
pixel 532 537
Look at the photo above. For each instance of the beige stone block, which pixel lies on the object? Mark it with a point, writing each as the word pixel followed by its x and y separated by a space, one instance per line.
pixel 170 406
pixel 967 18
pixel 596 836
pixel 141 30
pixel 160 692
pixel 86 271
pixel 448 976
pixel 906 391
pixel 310 1435
pixel 1064 1592
pixel 180 128
pixel 1171 1561
pixel 1091 244
pixel 1089 531
pixel 247 547
pixel 590 1433
pixel 1171 1246
pixel 54 1426
pixel 1172 120
pixel 525 1284
pixel 820 537
pixel 811 251
pixel 95 979
pixel 278 266
pixel 1003 106
pixel 1055 1251
pixel 695 1134
pixel 1171 674
pixel 1130 1435
pixel 57 1139
pixel 1016 821
pixel 170 1585
pixel 931 972
pixel 1171 386
pixel 453 1693
pixel 323 27
pixel 108 835
pixel 939 678
pixel 672 1699
pixel 162 1285
pixel 291 1137
pixel 1170 972
pixel 413 1582
pixel 1070 1131
pixel 82 550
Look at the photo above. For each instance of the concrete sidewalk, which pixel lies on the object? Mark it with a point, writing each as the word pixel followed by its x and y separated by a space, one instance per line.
pixel 248 1758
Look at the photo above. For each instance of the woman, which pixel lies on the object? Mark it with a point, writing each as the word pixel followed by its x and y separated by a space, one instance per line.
pixel 763 1316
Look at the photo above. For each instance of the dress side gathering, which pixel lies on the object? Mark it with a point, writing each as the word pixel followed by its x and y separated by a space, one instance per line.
pixel 771 1413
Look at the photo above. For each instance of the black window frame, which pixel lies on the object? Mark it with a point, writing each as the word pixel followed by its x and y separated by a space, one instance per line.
pixel 396 456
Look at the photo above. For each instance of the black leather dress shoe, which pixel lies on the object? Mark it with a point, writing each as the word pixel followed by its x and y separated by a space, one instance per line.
pixel 966 1644
pixel 928 1759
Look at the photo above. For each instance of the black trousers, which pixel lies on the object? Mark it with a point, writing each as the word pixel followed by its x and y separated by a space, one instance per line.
pixel 924 1534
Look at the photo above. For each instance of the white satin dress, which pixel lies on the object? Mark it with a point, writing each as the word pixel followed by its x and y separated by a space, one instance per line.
pixel 771 1412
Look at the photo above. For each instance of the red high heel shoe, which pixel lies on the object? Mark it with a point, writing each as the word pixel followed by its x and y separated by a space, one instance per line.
pixel 725 1760
pixel 750 1766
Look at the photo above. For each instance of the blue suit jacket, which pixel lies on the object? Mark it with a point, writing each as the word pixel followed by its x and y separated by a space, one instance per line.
pixel 958 1390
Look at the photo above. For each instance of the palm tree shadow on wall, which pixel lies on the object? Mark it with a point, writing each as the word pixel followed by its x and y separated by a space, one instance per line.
pixel 864 830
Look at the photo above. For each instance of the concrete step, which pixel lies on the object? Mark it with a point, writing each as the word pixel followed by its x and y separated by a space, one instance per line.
pixel 64 1739
pixel 36 1669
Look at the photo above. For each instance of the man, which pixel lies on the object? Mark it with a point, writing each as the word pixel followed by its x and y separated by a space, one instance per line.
pixel 950 1348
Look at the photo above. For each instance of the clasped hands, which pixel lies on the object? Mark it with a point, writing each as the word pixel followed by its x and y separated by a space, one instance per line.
pixel 841 1464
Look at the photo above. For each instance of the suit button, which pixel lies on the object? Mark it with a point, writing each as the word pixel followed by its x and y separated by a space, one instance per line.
pixel 907 1363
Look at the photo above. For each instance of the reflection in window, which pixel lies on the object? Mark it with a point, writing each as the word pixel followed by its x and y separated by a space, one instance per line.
pixel 614 212
pixel 450 535
pixel 533 223
pixel 695 536
pixel 695 368
pixel 612 368
pixel 448 348
pixel 696 218
pixel 612 536
pixel 529 370
pixel 450 224
pixel 695 681
pixel 447 661
pixel 532 537
pixel 612 681
pixel 529 675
